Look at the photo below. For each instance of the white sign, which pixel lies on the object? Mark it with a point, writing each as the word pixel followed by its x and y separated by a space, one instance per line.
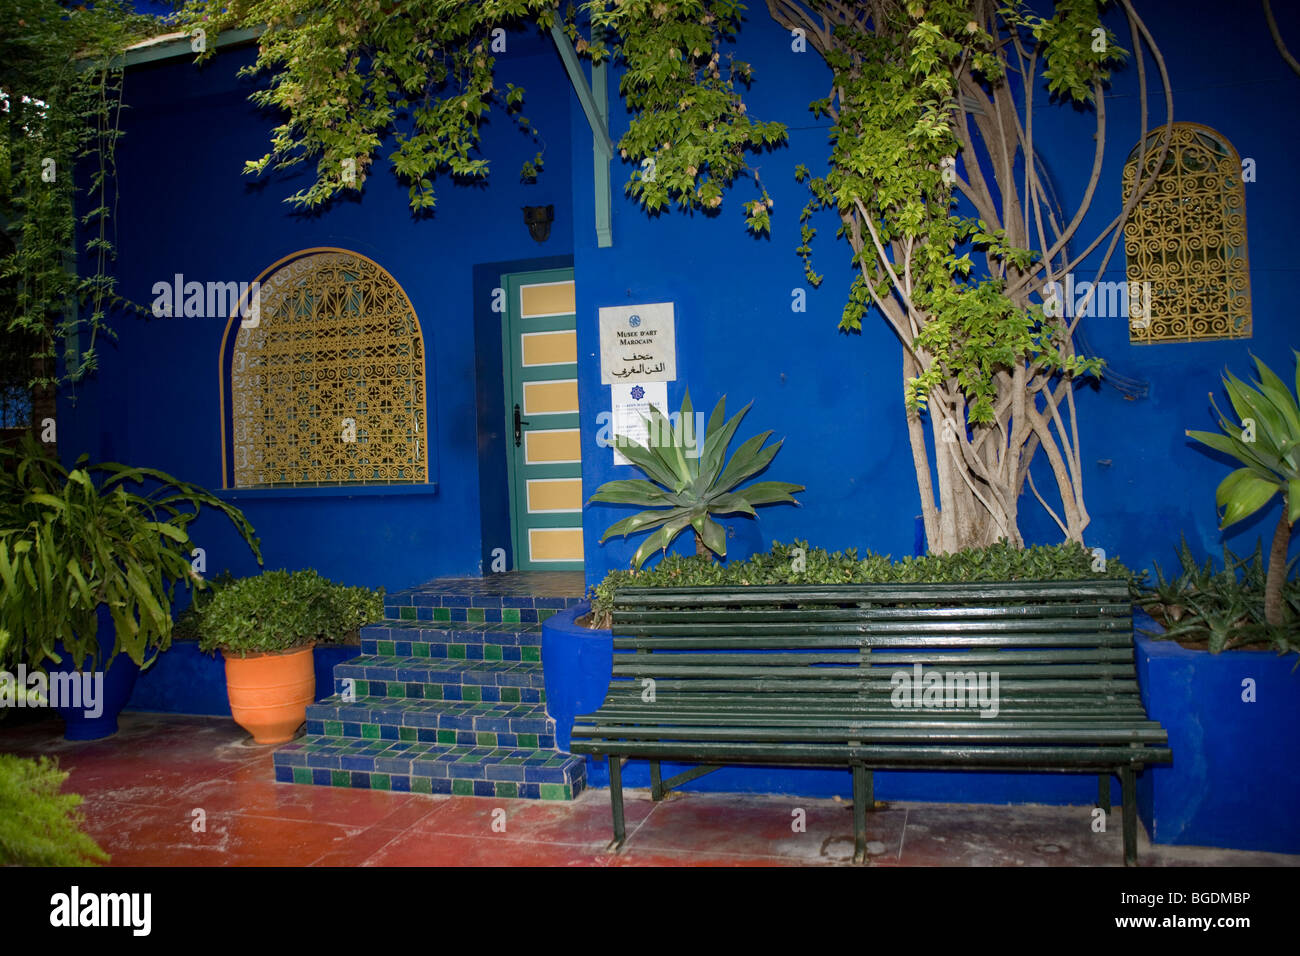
pixel 630 408
pixel 638 343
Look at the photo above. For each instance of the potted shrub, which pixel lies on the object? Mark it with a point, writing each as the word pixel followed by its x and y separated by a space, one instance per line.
pixel 90 559
pixel 266 627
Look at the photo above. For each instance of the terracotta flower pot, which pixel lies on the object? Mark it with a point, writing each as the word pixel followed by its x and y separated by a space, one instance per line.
pixel 269 693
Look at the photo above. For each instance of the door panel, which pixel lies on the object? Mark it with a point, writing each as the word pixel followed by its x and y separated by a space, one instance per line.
pixel 541 374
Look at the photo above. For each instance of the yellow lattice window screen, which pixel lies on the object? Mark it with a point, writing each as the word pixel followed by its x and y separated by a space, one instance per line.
pixel 327 385
pixel 1187 238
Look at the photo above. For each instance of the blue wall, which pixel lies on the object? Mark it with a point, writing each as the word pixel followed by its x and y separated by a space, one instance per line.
pixel 185 208
pixel 837 398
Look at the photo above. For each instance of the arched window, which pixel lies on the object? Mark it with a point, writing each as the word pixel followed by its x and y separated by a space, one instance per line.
pixel 326 378
pixel 1187 238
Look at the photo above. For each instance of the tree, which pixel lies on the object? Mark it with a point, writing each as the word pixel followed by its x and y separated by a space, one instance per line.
pixel 933 178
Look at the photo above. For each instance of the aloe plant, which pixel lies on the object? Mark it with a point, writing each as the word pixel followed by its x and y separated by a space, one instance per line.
pixel 686 490
pixel 1266 440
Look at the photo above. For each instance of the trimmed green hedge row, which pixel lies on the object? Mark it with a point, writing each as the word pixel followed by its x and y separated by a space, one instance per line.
pixel 797 563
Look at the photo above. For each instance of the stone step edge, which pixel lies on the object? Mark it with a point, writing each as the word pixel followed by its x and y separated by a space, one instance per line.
pixel 382 710
pixel 380 668
pixel 339 769
pixel 424 614
pixel 402 783
pixel 396 733
pixel 492 651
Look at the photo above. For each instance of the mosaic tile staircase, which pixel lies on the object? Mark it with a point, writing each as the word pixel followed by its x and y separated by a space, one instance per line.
pixel 446 697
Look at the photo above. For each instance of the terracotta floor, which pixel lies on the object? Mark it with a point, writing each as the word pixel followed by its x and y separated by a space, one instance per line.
pixel 145 787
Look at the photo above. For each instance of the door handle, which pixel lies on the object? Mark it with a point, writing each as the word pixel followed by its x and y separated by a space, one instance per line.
pixel 519 423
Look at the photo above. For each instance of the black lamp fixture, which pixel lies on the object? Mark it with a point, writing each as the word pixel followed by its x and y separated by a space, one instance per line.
pixel 538 219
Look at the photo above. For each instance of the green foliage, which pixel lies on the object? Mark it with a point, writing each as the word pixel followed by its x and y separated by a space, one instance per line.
pixel 690 129
pixel 73 540
pixel 898 116
pixel 39 825
pixel 60 101
pixel 798 564
pixel 283 610
pixel 1268 447
pixel 1266 441
pixel 347 72
pixel 686 490
pixel 1223 607
pixel 186 627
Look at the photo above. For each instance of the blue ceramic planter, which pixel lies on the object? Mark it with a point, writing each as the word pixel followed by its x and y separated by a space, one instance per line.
pixel 84 723
pixel 1235 779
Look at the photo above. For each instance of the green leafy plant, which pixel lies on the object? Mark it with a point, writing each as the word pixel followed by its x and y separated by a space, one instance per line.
pixel 72 540
pixel 797 563
pixel 39 824
pixel 686 490
pixel 61 68
pixel 281 611
pixel 1222 608
pixel 1266 440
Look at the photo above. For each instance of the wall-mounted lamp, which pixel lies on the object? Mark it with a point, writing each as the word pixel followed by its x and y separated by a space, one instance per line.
pixel 538 219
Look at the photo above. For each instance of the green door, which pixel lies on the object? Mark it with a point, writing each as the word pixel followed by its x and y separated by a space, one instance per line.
pixel 540 348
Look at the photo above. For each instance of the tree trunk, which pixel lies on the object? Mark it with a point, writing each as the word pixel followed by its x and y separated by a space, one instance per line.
pixel 1275 609
pixel 700 547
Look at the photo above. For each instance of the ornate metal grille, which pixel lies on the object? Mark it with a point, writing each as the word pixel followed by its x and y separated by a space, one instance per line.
pixel 1187 237
pixel 328 387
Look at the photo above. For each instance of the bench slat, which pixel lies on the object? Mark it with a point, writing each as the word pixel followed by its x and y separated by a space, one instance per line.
pixel 888 756
pixel 641 617
pixel 795 642
pixel 988 732
pixel 995 657
pixel 1081 627
pixel 1033 592
pixel 864 668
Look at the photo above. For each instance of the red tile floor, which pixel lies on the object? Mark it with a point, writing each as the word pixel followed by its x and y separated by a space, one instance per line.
pixel 143 786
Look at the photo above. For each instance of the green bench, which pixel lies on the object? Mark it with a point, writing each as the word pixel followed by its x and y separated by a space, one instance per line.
pixel 1030 676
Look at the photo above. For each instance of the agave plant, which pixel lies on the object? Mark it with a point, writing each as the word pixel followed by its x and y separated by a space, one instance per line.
pixel 1266 440
pixel 686 489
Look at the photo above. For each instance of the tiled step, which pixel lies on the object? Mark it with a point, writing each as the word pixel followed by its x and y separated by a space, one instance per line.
pixel 498 597
pixel 478 724
pixel 467 641
pixel 424 678
pixel 446 697
pixel 412 766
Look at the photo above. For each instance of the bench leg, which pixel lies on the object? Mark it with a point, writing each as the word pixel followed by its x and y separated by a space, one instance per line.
pixel 861 794
pixel 1103 791
pixel 616 801
pixel 656 782
pixel 1128 784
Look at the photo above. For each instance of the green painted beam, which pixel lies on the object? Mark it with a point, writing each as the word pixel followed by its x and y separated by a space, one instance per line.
pixel 595 105
pixel 175 47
